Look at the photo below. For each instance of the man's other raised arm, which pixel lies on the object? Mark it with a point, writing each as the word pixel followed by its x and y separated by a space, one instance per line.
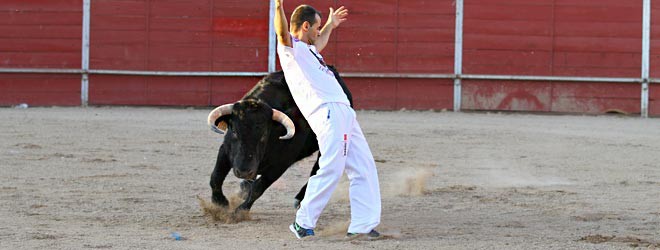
pixel 281 25
pixel 335 18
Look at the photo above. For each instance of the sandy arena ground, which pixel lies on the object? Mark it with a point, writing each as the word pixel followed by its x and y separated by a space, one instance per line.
pixel 127 178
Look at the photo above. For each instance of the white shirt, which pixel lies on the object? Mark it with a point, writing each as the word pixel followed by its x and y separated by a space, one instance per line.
pixel 311 83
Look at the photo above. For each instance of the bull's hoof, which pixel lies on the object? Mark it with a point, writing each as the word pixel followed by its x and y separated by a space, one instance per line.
pixel 296 204
pixel 242 208
pixel 220 202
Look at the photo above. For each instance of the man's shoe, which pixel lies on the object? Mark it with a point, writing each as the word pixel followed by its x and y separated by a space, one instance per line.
pixel 300 232
pixel 370 235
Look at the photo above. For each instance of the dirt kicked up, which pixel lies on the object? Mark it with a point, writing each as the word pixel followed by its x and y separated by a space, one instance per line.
pixel 137 178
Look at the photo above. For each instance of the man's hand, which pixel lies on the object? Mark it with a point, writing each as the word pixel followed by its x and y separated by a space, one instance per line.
pixel 336 17
pixel 281 25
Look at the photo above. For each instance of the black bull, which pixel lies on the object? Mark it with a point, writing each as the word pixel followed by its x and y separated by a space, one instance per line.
pixel 253 145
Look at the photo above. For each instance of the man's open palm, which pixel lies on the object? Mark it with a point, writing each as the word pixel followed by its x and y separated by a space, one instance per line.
pixel 338 16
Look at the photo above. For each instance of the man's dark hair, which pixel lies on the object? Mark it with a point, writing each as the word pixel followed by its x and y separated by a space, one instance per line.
pixel 301 14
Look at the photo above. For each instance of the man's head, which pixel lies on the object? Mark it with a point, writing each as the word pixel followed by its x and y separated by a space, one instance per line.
pixel 306 23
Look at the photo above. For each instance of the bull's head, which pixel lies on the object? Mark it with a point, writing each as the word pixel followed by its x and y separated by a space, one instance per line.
pixel 247 126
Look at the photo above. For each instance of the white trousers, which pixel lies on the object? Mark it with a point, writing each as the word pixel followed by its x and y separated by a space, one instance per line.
pixel 343 147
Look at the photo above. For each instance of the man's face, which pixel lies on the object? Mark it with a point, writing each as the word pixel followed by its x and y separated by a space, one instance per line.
pixel 314 31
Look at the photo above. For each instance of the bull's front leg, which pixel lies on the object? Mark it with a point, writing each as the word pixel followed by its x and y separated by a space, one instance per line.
pixel 252 190
pixel 222 167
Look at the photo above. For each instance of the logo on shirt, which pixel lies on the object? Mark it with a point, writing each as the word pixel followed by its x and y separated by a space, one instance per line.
pixel 345 144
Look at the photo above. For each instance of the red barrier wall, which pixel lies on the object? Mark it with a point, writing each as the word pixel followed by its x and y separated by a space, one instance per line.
pixel 40 34
pixel 553 38
pixel 505 37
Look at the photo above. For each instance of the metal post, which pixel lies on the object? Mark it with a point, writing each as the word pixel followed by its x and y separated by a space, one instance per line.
pixel 458 55
pixel 84 88
pixel 646 41
pixel 271 38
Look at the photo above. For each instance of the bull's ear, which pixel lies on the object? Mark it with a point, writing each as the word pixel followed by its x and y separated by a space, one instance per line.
pixel 221 123
pixel 217 115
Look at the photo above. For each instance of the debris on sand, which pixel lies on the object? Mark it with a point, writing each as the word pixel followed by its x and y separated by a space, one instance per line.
pixel 227 215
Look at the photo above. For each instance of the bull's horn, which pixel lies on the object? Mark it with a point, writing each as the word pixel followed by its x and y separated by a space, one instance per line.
pixel 218 112
pixel 280 117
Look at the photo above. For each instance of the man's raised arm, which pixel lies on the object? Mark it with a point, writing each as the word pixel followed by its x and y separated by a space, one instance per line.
pixel 335 18
pixel 281 25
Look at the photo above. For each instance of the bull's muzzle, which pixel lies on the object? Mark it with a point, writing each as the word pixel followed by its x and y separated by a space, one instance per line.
pixel 248 175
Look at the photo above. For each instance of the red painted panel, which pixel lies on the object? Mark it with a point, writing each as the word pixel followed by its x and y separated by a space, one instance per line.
pixel 436 7
pixel 426 21
pixel 184 38
pixel 118 37
pixel 545 96
pixel 507 42
pixel 426 35
pixel 188 91
pixel 176 8
pixel 116 23
pixel 42 5
pixel 367 63
pixel 440 49
pixel 374 35
pixel 117 90
pixel 599 12
pixel 425 94
pixel 504 69
pixel 597 64
pixel 41 45
pixel 120 57
pixel 144 90
pixel 600 3
pixel 586 42
pixel 506 95
pixel 240 59
pixel 508 27
pixel 241 25
pixel 595 97
pixel 609 60
pixel 425 57
pixel 39 90
pixel 598 44
pixel 426 64
pixel 230 89
pixel 655 63
pixel 39 60
pixel 598 29
pixel 179 58
pixel 655 39
pixel 13 17
pixel 18 32
pixel 368 21
pixel 40 34
pixel 367 6
pixel 597 72
pixel 190 25
pixel 373 93
pixel 366 49
pixel 118 7
pixel 239 8
pixel 507 62
pixel 500 11
pixel 654 99
pixel 513 2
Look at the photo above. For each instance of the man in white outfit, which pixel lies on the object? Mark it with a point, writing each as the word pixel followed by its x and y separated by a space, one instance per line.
pixel 322 101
